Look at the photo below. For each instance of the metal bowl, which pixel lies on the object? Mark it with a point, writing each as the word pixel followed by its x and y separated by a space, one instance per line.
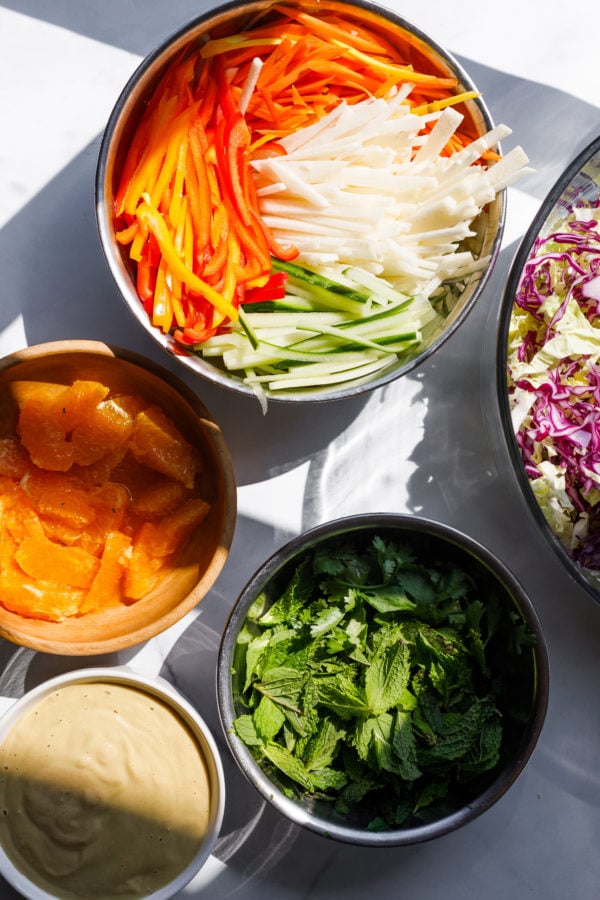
pixel 229 18
pixel 24 874
pixel 528 683
pixel 579 184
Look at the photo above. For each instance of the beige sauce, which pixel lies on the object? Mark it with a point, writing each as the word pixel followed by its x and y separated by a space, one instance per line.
pixel 103 792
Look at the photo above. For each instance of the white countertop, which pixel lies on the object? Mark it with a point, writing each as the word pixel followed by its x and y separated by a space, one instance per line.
pixel 428 444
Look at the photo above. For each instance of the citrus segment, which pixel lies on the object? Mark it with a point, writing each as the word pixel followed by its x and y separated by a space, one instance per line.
pixel 56 495
pixel 157 443
pixel 159 498
pixel 14 459
pixel 140 576
pixel 110 503
pixel 106 589
pixel 166 537
pixel 46 560
pixel 44 436
pixel 38 599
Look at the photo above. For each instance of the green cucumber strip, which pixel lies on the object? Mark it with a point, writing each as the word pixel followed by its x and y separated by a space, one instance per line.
pixel 314 279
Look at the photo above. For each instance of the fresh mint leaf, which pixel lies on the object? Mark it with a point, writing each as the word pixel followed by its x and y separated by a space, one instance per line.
pixel 268 719
pixel 341 696
pixel 287 763
pixel 388 599
pixel 283 686
pixel 321 748
pixel 328 780
pixel 387 677
pixel 405 747
pixel 245 729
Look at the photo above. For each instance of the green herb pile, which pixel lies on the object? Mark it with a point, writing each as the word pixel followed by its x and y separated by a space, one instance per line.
pixel 382 679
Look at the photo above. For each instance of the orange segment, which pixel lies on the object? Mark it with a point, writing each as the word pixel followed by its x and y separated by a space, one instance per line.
pixel 14 459
pixel 106 588
pixel 163 538
pixel 140 576
pixel 110 503
pixel 56 495
pixel 103 429
pixel 38 599
pixel 45 560
pixel 44 436
pixel 158 443
pixel 159 498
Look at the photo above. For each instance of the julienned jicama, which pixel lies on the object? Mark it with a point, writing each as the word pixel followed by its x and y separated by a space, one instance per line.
pixel 298 150
pixel 379 676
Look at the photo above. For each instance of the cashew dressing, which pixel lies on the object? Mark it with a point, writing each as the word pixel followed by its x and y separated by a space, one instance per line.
pixel 104 792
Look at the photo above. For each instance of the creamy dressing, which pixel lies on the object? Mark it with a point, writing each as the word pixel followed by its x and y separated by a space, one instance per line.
pixel 104 792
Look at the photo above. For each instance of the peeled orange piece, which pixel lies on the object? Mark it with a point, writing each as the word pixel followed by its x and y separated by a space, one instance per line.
pixel 103 430
pixel 38 599
pixel 158 498
pixel 46 560
pixel 55 494
pixel 157 442
pixel 14 459
pixel 106 589
pixel 44 435
pixel 110 503
pixel 140 576
pixel 166 537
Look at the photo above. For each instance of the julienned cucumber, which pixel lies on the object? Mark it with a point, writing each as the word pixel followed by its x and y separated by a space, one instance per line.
pixel 323 332
pixel 315 279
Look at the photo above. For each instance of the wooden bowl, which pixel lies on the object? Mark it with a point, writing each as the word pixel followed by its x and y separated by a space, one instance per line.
pixel 194 571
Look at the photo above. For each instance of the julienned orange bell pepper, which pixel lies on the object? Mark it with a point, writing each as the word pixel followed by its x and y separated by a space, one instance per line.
pixel 152 219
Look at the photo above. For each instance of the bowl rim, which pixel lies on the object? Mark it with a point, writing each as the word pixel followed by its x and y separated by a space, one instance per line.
pixel 163 690
pixel 506 776
pixel 214 437
pixel 196 365
pixel 559 189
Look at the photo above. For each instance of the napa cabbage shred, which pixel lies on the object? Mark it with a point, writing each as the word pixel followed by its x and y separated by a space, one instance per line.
pixel 379 678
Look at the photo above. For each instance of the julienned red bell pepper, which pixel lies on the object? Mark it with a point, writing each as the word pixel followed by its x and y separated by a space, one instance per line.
pixel 274 289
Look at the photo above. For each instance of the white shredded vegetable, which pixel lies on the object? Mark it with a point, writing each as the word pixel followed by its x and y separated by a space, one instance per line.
pixel 365 187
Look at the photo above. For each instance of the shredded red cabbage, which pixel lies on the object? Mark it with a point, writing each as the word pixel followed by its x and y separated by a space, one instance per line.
pixel 562 426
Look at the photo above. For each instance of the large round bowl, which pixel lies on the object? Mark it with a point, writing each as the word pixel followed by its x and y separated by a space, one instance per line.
pixel 186 580
pixel 551 472
pixel 524 674
pixel 228 19
pixel 75 824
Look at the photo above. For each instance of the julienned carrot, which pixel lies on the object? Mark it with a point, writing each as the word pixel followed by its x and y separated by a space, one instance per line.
pixel 186 205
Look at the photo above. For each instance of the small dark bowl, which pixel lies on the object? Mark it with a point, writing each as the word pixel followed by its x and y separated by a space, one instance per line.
pixel 528 688
pixel 579 183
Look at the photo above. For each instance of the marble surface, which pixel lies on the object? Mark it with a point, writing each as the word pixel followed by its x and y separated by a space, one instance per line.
pixel 428 444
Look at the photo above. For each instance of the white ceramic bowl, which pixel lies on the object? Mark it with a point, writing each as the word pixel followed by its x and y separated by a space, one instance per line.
pixel 192 721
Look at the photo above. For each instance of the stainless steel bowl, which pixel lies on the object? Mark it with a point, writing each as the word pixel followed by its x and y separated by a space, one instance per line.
pixel 579 184
pixel 529 683
pixel 128 109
